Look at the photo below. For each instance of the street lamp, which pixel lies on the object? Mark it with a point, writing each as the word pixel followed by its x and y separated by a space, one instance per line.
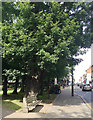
pixel 72 81
pixel 72 61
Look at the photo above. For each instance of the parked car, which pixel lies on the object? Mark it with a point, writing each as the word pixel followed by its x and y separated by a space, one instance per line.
pixel 86 87
pixel 55 89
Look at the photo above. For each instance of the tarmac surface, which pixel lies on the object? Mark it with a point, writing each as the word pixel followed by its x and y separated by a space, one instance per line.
pixel 64 106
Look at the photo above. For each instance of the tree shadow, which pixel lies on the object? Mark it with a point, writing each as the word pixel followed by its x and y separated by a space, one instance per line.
pixel 8 108
pixel 69 116
pixel 67 99
pixel 11 96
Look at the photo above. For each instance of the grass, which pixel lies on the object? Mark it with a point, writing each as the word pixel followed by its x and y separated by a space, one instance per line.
pixel 0 86
pixel 9 91
pixel 12 104
pixel 12 101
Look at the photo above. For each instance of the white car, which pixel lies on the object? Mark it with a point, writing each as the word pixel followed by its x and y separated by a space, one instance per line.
pixel 86 87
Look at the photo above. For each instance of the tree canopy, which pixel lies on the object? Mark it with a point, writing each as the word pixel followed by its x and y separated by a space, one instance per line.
pixel 39 39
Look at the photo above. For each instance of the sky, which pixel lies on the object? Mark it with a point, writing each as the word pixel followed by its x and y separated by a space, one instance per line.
pixel 81 68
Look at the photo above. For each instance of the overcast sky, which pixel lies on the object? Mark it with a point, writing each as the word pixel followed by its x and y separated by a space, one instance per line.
pixel 81 68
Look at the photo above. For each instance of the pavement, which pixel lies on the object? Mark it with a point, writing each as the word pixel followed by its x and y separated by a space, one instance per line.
pixel 64 106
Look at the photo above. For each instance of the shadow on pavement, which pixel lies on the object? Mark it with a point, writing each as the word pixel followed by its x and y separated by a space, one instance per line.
pixel 66 115
pixel 8 108
pixel 65 98
pixel 6 111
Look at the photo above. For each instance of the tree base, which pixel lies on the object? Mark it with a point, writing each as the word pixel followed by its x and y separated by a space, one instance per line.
pixel 25 109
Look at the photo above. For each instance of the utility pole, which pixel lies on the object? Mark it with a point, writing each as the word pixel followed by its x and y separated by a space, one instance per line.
pixel 72 81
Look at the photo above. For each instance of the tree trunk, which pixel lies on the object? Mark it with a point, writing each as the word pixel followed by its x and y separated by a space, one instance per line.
pixel 16 85
pixel 57 78
pixel 23 83
pixel 42 73
pixel 31 86
pixel 5 86
pixel 48 86
pixel 30 90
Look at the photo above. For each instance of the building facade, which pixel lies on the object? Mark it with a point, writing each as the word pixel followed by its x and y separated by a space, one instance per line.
pixel 89 72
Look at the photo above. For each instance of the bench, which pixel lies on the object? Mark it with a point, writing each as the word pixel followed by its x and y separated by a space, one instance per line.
pixel 30 103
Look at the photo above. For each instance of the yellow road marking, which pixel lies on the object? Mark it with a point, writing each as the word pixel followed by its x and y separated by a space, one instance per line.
pixel 85 102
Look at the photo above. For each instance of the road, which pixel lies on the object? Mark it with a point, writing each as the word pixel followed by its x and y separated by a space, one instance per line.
pixel 87 95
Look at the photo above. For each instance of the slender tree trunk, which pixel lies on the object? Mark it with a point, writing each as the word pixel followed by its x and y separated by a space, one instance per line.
pixel 48 85
pixel 23 83
pixel 16 85
pixel 41 82
pixel 5 86
pixel 57 78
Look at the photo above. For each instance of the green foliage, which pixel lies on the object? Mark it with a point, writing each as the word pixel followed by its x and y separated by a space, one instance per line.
pixel 43 37
pixel 12 74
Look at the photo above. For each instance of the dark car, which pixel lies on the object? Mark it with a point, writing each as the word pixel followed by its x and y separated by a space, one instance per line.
pixel 55 89
pixel 86 87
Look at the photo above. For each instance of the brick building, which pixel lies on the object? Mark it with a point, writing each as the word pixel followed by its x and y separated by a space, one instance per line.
pixel 89 72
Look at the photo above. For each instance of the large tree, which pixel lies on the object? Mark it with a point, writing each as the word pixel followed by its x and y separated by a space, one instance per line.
pixel 41 40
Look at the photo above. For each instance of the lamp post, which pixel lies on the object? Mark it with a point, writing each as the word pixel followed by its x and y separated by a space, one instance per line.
pixel 72 75
pixel 72 81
